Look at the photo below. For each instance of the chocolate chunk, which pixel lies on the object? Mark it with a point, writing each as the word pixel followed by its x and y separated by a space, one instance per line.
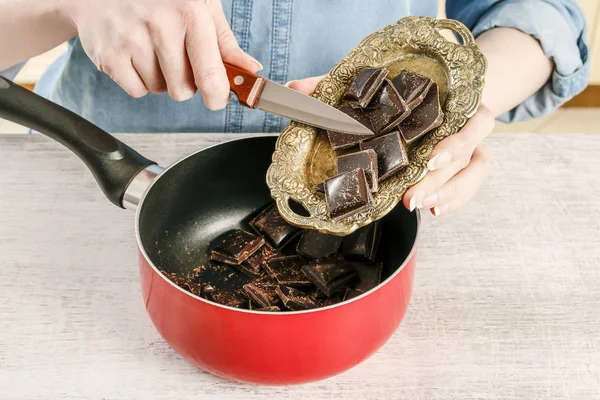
pixel 253 263
pixel 268 309
pixel 314 244
pixel 235 246
pixel 412 87
pixel 294 299
pixel 287 270
pixel 369 276
pixel 387 109
pixel 364 86
pixel 427 116
pixel 366 159
pixel 207 290
pixel 320 187
pixel 329 274
pixel 391 154
pixel 344 140
pixel 347 194
pixel 229 298
pixel 363 243
pixel 262 291
pixel 271 225
pixel 184 283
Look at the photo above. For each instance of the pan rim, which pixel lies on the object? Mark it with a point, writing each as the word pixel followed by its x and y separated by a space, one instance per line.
pixel 274 314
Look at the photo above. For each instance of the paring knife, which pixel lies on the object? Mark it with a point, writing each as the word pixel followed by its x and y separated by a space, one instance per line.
pixel 254 91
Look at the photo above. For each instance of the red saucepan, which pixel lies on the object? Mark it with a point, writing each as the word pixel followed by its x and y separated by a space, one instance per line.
pixel 180 209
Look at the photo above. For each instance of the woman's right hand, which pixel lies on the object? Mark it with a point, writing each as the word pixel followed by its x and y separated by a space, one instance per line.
pixel 161 45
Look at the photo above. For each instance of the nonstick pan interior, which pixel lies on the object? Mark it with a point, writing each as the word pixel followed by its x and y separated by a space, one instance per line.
pixel 218 189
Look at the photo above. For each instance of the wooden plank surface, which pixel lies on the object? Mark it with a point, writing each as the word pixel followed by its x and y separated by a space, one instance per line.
pixel 505 303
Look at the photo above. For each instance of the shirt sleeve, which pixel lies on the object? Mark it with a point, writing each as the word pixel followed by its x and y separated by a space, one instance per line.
pixel 559 26
pixel 12 72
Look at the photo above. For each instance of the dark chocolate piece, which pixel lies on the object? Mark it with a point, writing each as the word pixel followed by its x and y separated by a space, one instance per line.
pixel 253 263
pixel 268 309
pixel 391 154
pixel 271 225
pixel 387 109
pixel 412 87
pixel 347 194
pixel 294 299
pixel 427 116
pixel 329 274
pixel 364 86
pixel 362 244
pixel 287 270
pixel 369 276
pixel 207 290
pixel 184 283
pixel 262 291
pixel 365 159
pixel 229 298
pixel 314 244
pixel 344 140
pixel 235 246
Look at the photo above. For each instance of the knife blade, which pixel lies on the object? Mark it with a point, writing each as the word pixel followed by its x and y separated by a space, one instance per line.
pixel 254 91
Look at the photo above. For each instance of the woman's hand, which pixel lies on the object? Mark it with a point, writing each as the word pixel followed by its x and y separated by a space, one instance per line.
pixel 161 45
pixel 457 167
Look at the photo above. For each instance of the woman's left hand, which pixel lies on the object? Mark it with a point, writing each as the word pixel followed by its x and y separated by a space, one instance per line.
pixel 457 167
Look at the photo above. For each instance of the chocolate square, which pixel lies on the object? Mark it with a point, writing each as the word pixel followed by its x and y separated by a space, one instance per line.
pixel 364 86
pixel 231 298
pixel 365 159
pixel 424 118
pixel 329 274
pixel 391 154
pixel 362 244
pixel 369 276
pixel 235 246
pixel 387 109
pixel 412 87
pixel 271 225
pixel 287 270
pixel 347 194
pixel 262 291
pixel 344 140
pixel 314 244
pixel 294 299
pixel 183 283
pixel 253 263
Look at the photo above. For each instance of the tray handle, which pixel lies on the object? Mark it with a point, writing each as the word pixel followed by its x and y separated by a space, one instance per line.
pixel 458 28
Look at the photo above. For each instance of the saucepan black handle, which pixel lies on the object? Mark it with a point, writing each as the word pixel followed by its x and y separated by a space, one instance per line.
pixel 113 163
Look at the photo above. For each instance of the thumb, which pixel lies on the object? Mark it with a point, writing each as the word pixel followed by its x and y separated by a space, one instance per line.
pixel 306 86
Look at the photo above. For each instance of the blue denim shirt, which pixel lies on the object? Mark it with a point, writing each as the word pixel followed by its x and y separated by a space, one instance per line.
pixel 302 38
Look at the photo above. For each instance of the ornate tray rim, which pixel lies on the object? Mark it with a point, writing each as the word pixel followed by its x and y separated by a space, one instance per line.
pixel 466 67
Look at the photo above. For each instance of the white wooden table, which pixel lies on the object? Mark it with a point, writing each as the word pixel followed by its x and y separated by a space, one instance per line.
pixel 506 302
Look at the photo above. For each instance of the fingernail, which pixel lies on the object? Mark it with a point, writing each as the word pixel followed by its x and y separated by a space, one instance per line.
pixel 254 60
pixel 439 161
pixel 429 200
pixel 416 200
pixel 437 211
pixel 290 82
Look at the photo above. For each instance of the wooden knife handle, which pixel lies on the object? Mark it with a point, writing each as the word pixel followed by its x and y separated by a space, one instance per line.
pixel 247 86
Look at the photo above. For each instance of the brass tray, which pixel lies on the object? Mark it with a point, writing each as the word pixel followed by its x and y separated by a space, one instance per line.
pixel 303 156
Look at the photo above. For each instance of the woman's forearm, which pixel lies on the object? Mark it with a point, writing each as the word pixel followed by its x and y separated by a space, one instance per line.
pixel 31 27
pixel 517 68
